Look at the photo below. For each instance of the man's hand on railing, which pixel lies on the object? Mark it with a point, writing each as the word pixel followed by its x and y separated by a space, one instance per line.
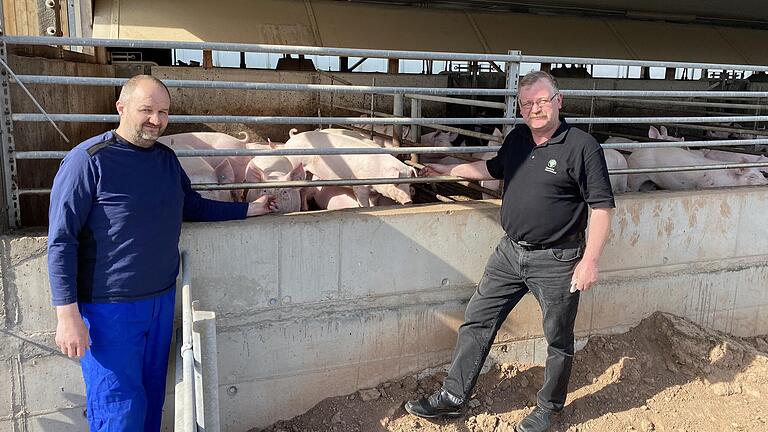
pixel 263 205
pixel 434 170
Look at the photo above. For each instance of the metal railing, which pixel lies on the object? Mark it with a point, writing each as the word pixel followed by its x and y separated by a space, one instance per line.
pixel 187 352
pixel 417 94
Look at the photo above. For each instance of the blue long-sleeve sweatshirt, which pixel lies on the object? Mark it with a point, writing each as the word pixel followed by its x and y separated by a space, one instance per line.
pixel 115 220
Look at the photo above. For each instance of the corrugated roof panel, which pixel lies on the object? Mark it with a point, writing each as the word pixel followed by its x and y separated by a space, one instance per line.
pixel 675 42
pixel 750 44
pixel 352 25
pixel 365 26
pixel 540 35
pixel 266 21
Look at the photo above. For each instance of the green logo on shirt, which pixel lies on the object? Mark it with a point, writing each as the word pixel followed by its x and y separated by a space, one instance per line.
pixel 551 166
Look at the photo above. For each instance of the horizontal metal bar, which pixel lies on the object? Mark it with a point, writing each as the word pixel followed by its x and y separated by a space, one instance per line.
pixel 114 118
pixel 433 126
pixel 299 183
pixel 688 168
pixel 413 180
pixel 260 48
pixel 289 152
pixel 685 103
pixel 58 154
pixel 670 120
pixel 352 52
pixel 242 85
pixel 338 182
pixel 663 144
pixel 720 129
pixel 458 101
pixel 666 93
pixel 645 63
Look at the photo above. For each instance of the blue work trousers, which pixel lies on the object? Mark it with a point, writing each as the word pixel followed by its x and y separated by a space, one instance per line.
pixel 125 368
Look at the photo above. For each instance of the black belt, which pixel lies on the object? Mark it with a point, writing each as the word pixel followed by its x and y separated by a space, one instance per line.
pixel 571 240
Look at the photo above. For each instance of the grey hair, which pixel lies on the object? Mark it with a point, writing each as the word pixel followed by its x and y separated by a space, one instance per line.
pixel 532 77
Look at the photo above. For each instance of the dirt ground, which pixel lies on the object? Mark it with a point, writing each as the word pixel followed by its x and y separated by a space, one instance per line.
pixel 666 374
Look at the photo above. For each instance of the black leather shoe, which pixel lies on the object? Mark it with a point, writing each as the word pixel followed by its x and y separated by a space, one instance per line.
pixel 538 420
pixel 440 405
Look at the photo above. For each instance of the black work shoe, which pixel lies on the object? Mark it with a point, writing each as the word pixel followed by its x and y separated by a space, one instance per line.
pixel 439 405
pixel 538 420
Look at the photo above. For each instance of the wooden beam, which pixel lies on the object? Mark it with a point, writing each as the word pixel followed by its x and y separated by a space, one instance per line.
pixel 207 59
pixel 393 66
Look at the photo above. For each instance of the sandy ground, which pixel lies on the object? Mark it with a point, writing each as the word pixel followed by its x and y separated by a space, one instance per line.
pixel 666 374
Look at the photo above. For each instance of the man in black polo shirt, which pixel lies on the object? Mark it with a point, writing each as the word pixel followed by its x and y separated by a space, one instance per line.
pixel 552 174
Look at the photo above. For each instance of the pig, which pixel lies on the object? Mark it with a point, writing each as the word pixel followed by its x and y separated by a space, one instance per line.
pixel 662 135
pixel 340 197
pixel 615 160
pixel 209 141
pixel 356 135
pixel 385 130
pixel 199 171
pixel 664 157
pixel 332 167
pixel 262 169
pixel 334 197
pixel 727 156
pixel 733 135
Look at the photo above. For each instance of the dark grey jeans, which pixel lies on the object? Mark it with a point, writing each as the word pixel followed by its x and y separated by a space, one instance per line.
pixel 510 273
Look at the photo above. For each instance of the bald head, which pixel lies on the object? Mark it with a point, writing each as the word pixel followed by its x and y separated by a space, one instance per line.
pixel 129 88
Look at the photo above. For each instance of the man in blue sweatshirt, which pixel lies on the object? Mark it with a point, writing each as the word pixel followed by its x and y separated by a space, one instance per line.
pixel 117 204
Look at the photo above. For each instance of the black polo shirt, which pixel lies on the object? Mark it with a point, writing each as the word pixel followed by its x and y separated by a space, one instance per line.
pixel 547 188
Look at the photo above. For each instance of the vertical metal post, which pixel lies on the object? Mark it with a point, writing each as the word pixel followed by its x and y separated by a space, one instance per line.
pixel 187 353
pixel 397 111
pixel 592 106
pixel 206 369
pixel 513 75
pixel 10 197
pixel 373 104
pixel 72 19
pixel 416 128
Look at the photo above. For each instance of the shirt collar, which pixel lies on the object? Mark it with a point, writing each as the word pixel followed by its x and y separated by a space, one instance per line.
pixel 557 138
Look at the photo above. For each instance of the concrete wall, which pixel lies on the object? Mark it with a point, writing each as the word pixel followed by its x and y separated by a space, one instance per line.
pixel 321 304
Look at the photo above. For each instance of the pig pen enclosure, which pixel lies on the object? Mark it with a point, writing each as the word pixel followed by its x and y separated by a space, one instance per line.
pixel 291 327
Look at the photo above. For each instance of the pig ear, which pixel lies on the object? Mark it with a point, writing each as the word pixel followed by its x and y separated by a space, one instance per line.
pixel 653 133
pixel 298 173
pixel 224 172
pixel 412 172
pixel 254 174
pixel 663 130
pixel 452 136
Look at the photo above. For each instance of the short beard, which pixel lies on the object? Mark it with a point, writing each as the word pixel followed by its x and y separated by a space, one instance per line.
pixel 144 139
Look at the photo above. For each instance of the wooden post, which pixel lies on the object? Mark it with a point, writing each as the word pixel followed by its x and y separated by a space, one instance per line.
pixel 207 59
pixel 393 65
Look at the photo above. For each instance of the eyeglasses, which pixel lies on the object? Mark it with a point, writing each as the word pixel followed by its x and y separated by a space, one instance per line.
pixel 542 102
